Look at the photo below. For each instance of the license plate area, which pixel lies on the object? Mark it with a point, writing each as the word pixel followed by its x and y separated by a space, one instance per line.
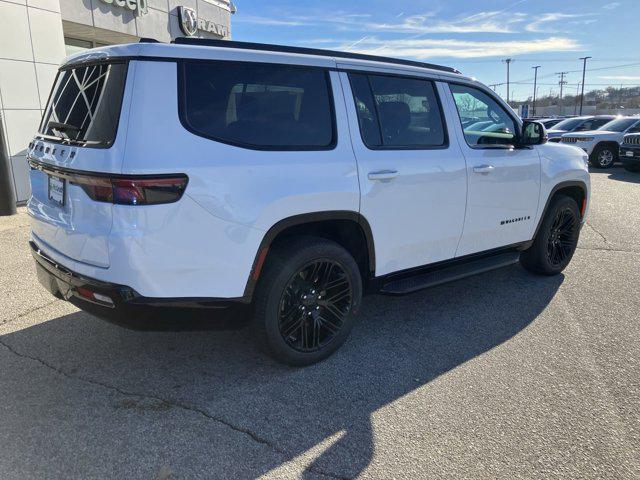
pixel 56 190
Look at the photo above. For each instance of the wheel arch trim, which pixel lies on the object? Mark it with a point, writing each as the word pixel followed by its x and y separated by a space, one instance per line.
pixel 302 219
pixel 557 188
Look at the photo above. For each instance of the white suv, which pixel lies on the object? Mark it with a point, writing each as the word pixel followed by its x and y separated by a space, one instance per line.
pixel 210 174
pixel 602 145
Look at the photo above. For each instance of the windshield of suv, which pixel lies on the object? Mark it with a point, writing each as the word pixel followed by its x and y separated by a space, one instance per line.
pixel 619 124
pixel 84 106
pixel 568 124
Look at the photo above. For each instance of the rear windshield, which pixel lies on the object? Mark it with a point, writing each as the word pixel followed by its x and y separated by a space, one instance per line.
pixel 84 106
pixel 271 107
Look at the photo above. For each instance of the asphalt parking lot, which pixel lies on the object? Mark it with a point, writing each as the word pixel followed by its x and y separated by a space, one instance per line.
pixel 504 375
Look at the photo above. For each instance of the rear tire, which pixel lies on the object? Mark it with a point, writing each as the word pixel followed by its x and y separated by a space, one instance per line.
pixel 603 156
pixel 306 300
pixel 556 240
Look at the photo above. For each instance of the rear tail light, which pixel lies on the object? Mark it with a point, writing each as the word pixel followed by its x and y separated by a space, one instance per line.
pixel 123 190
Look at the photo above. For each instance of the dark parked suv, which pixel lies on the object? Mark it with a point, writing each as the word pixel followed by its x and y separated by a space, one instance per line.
pixel 630 152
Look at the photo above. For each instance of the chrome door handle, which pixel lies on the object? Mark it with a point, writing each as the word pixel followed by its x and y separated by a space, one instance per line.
pixel 484 169
pixel 383 175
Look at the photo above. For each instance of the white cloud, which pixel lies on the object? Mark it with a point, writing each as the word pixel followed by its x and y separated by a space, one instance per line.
pixel 539 23
pixel 426 48
pixel 620 77
pixel 257 20
pixel 481 22
pixel 611 6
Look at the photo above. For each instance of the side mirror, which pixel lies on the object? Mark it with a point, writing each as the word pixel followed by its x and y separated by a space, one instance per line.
pixel 533 133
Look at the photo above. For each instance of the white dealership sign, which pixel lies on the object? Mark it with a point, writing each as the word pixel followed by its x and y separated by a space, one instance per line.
pixel 133 5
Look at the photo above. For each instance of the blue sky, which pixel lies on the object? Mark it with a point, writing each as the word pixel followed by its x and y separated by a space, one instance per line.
pixel 472 36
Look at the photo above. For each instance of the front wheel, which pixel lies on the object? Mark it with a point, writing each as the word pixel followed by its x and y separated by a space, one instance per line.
pixel 306 300
pixel 604 156
pixel 556 240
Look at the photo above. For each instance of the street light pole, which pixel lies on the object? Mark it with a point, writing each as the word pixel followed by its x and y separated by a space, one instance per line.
pixel 584 68
pixel 508 62
pixel 535 83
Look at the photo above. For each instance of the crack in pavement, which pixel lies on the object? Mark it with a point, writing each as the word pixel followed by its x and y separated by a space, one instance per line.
pixel 31 310
pixel 619 250
pixel 191 408
pixel 598 232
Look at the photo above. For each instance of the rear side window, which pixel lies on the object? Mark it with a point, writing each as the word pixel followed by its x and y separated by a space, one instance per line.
pixel 259 106
pixel 397 112
pixel 84 105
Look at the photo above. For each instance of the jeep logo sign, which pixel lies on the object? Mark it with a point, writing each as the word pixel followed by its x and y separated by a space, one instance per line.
pixel 133 5
pixel 190 24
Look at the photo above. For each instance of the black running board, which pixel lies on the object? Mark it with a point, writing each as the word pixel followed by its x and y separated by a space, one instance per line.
pixel 446 274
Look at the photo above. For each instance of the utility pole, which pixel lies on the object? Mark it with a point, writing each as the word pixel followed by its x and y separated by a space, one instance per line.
pixel 584 68
pixel 535 84
pixel 562 82
pixel 508 62
pixel 575 105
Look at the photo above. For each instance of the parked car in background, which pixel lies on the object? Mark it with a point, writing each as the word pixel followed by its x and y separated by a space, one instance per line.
pixel 293 180
pixel 603 145
pixel 549 122
pixel 630 152
pixel 577 124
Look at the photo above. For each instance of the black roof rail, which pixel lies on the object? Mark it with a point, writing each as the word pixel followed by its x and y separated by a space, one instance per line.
pixel 267 47
pixel 148 40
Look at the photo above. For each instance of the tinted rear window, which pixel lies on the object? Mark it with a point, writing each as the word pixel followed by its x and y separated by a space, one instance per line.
pixel 397 112
pixel 258 106
pixel 85 104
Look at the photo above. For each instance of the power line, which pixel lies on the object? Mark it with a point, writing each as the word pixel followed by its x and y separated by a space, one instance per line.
pixel 526 80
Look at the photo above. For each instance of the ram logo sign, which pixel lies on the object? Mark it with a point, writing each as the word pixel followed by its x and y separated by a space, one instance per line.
pixel 190 24
pixel 188 20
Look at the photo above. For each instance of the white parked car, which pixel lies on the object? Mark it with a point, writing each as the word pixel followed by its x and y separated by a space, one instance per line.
pixel 603 145
pixel 210 174
pixel 577 124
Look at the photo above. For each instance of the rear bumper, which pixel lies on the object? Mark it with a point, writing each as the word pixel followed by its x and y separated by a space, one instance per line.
pixel 122 304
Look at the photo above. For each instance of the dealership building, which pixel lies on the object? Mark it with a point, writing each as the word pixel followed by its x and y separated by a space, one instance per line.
pixel 36 35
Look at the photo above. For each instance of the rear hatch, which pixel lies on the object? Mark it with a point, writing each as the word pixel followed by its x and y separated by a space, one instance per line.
pixel 81 133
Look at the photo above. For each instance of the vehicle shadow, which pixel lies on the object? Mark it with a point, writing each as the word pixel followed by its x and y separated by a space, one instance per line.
pixel 400 344
pixel 622 175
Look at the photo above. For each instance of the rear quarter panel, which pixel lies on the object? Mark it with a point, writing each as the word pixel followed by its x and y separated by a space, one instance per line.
pixel 240 192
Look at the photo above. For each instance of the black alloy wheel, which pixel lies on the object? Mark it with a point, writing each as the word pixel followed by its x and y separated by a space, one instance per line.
pixel 314 305
pixel 561 240
pixel 556 239
pixel 306 300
